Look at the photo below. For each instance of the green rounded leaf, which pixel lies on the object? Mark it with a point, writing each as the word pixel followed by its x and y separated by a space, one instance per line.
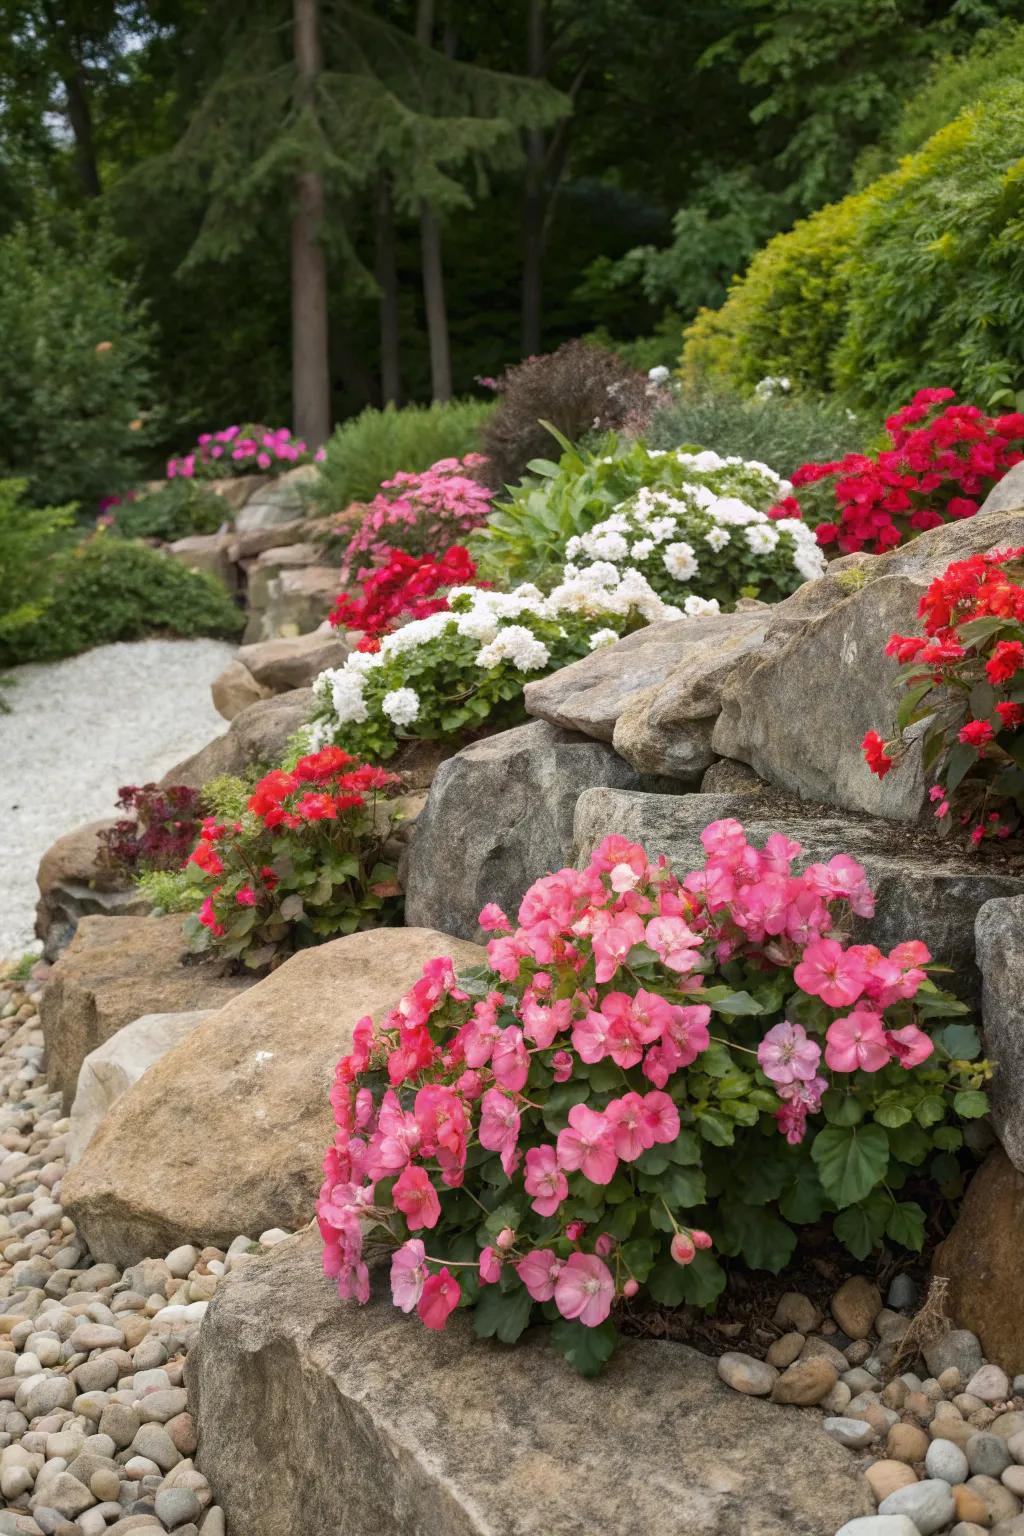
pixel 850 1160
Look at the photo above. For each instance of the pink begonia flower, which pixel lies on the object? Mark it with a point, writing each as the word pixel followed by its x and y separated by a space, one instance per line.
pixel 828 972
pixel 909 1045
pixel 584 1290
pixel 616 851
pixel 441 1117
pixel 440 1297
pixel 416 1198
pixel 575 1230
pixel 492 918
pixel 499 1128
pixel 561 1066
pixel 661 1116
pixel 632 1134
pixel 791 1120
pixel 545 1180
pixel 726 838
pixel 408 1272
pixel 490 1266
pixel 682 1248
pixel 470 1085
pixel 590 1037
pixel 510 1060
pixel 856 1042
pixel 539 1272
pixel 785 1053
pixel 612 942
pixel 674 942
pixel 541 1024
pixel 586 1144
pixel 623 878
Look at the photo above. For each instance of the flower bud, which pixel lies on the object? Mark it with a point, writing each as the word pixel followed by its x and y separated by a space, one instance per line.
pixel 630 1288
pixel 561 1066
pixel 682 1249
pixel 604 1245
pixel 505 1238
pixel 700 1239
pixel 575 1230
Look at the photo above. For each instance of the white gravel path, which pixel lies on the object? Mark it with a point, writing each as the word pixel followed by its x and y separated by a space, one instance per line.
pixel 78 729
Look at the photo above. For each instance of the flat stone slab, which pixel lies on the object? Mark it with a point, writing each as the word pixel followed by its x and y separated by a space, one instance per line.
pixel 320 1416
pixel 927 894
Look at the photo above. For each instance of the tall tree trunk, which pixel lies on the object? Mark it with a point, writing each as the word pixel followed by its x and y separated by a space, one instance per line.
pixel 432 264
pixel 387 281
pixel 533 196
pixel 80 118
pixel 311 385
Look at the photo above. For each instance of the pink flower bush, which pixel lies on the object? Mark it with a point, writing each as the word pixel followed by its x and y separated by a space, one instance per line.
pixel 422 514
pixel 248 450
pixel 650 1074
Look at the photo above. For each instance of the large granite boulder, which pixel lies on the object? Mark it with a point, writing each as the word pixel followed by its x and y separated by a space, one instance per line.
pixel 440 1434
pixel 289 600
pixel 981 1259
pixel 294 661
pixel 235 689
pixel 655 695
pixel 999 939
pixel 257 735
pixel 74 883
pixel 206 552
pixel 924 889
pixel 796 708
pixel 226 1133
pixel 235 490
pixel 283 499
pixel 1007 495
pixel 113 971
pixel 500 815
pixel 112 1067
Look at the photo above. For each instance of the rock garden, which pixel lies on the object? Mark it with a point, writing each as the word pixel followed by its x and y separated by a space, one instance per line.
pixel 512 908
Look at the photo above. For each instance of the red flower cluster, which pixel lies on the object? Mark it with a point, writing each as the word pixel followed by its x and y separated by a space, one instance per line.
pixel 972 650
pixel 941 465
pixel 405 587
pixel 316 789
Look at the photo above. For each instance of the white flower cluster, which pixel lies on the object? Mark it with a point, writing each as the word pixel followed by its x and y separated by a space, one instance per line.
pixel 490 619
pixel 669 526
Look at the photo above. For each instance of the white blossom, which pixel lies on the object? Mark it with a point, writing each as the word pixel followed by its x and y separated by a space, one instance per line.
pixel 735 513
pixel 641 549
pixel 696 607
pixel 602 637
pixel 717 538
pixel 809 562
pixel 762 538
pixel 401 705
pixel 679 561
pixel 517 644
pixel 347 697
pixel 658 374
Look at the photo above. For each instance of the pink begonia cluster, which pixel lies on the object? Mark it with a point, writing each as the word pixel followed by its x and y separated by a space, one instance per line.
pixel 236 449
pixel 421 513
pixel 459 1070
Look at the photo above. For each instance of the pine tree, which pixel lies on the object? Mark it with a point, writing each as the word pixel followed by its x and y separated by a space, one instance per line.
pixel 353 106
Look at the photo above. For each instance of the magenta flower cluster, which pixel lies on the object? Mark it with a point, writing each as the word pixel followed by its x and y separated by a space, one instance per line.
pixel 242 450
pixel 422 514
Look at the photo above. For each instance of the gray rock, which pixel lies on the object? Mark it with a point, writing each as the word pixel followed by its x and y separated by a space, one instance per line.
pixel 990 1383
pixel 293 661
pixel 946 1461
pixel 65 1494
pixel 276 501
pixel 500 815
pixel 853 1433
pixel 235 689
pixel 120 1061
pixel 281 1368
pixel 797 708
pixel 176 1507
pixel 257 736
pixel 999 939
pixel 1007 495
pixel 958 1348
pixel 987 1456
pixel 923 895
pixel 929 1504
pixel 880 1525
pixel 287 599
pixel 153 1442
pixel 53 1392
pixel 902 1291
pixel 745 1374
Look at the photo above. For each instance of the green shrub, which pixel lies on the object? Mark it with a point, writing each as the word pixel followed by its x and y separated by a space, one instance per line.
pixel 74 380
pixel 937 291
pixel 917 279
pixel 108 589
pixel 371 447
pixel 169 890
pixel 784 430
pixel 29 537
pixel 175 510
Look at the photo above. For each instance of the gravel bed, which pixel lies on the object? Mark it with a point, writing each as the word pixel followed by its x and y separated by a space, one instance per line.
pixel 80 728
pixel 95 1434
